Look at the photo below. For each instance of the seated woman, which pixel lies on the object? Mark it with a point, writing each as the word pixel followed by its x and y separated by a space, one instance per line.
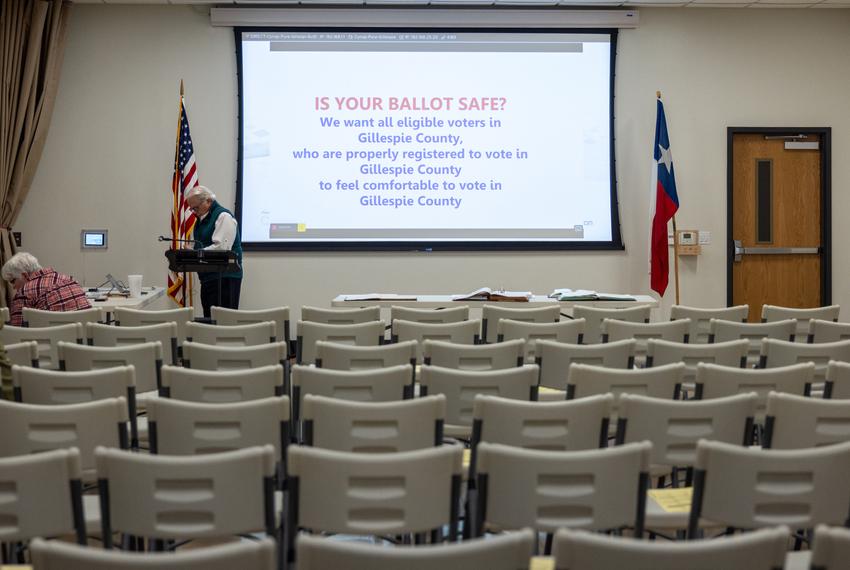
pixel 40 288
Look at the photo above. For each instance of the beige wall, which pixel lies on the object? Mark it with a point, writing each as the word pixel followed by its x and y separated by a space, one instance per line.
pixel 108 159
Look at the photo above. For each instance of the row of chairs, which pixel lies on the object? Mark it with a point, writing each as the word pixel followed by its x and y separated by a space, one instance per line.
pixel 415 493
pixel 573 550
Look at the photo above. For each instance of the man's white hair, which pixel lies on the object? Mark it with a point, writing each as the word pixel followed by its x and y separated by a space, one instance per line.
pixel 19 264
pixel 202 191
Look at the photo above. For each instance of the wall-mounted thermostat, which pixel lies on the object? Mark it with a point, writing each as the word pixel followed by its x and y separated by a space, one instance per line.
pixel 94 239
pixel 689 242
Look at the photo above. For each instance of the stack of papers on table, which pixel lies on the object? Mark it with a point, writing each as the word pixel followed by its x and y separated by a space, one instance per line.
pixel 587 295
pixel 487 294
pixel 379 297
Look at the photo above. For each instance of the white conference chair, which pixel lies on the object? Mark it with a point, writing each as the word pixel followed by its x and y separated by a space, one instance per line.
pixel 593 317
pixel 369 333
pixel 837 380
pixel 555 358
pixel 373 427
pixel 463 332
pixel 245 555
pixel 724 331
pixel 773 313
pixel 700 328
pixel 340 316
pixel 503 552
pixel 461 386
pixel 828 331
pixel 107 335
pixel 39 318
pixel 796 422
pixel 222 386
pixel 672 331
pixel 567 331
pixel 126 317
pixel 492 314
pixel 234 317
pixel 442 315
pixel 231 335
pixel 473 356
pixel 47 338
pixel 762 549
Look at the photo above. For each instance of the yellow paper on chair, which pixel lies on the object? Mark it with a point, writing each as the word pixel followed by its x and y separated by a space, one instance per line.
pixel 467 457
pixel 673 500
pixel 542 563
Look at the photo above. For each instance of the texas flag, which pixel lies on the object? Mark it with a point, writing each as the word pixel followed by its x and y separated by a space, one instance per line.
pixel 664 201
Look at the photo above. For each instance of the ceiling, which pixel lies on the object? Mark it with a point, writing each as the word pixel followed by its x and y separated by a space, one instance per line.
pixel 755 4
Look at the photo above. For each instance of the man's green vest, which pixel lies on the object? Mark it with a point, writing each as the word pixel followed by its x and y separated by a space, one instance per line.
pixel 203 233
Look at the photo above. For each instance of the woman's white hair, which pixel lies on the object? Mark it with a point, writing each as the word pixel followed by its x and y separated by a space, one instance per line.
pixel 202 191
pixel 19 264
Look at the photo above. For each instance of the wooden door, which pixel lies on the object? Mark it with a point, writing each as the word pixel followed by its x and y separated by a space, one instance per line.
pixel 777 221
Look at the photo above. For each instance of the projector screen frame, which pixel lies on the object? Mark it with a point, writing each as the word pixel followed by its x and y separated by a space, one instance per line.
pixel 615 244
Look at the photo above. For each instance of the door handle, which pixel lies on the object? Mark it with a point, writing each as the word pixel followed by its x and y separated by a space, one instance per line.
pixel 739 250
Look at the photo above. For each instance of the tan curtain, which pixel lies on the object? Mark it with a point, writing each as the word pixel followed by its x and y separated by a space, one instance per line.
pixel 32 40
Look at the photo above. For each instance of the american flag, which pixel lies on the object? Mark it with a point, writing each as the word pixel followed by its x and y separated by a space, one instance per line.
pixel 182 219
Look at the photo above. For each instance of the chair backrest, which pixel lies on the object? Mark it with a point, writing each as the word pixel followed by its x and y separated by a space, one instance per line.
pixel 474 356
pixel 593 317
pixel 234 317
pixel 672 331
pixel 53 387
pixel 743 487
pixel 796 422
pixel 369 333
pixel 193 428
pixel 569 425
pixel 23 353
pixel 107 335
pixel 568 331
pixel 442 315
pixel 700 327
pixel 723 331
pixel 763 549
pixel 210 357
pixel 164 497
pixel 48 339
pixel 379 385
pixel 772 313
pixel 126 317
pixel 347 357
pixel 732 353
pixel 42 496
pixel 490 315
pixel 246 555
pixel 595 489
pixel 30 428
pixel 831 549
pixel 463 332
pixel 146 358
pixel 235 335
pixel 374 493
pixel 715 381
pixel 828 331
pixel 837 380
pixel 40 318
pixel 373 427
pixel 56 387
pixel 674 427
pixel 657 382
pixel 461 386
pixel 222 386
pixel 555 358
pixel 339 316
pixel 775 353
pixel 499 552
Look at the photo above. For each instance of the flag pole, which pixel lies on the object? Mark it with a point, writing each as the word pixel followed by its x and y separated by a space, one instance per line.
pixel 675 241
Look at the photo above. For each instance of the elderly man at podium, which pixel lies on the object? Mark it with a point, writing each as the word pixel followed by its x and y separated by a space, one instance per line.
pixel 216 229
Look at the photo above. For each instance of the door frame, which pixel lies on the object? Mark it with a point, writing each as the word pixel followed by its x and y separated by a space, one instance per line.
pixel 826 201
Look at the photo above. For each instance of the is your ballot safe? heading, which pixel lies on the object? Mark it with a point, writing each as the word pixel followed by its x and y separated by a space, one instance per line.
pixel 374 103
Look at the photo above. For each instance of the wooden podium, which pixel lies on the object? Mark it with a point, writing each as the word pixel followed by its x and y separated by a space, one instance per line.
pixel 203 261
